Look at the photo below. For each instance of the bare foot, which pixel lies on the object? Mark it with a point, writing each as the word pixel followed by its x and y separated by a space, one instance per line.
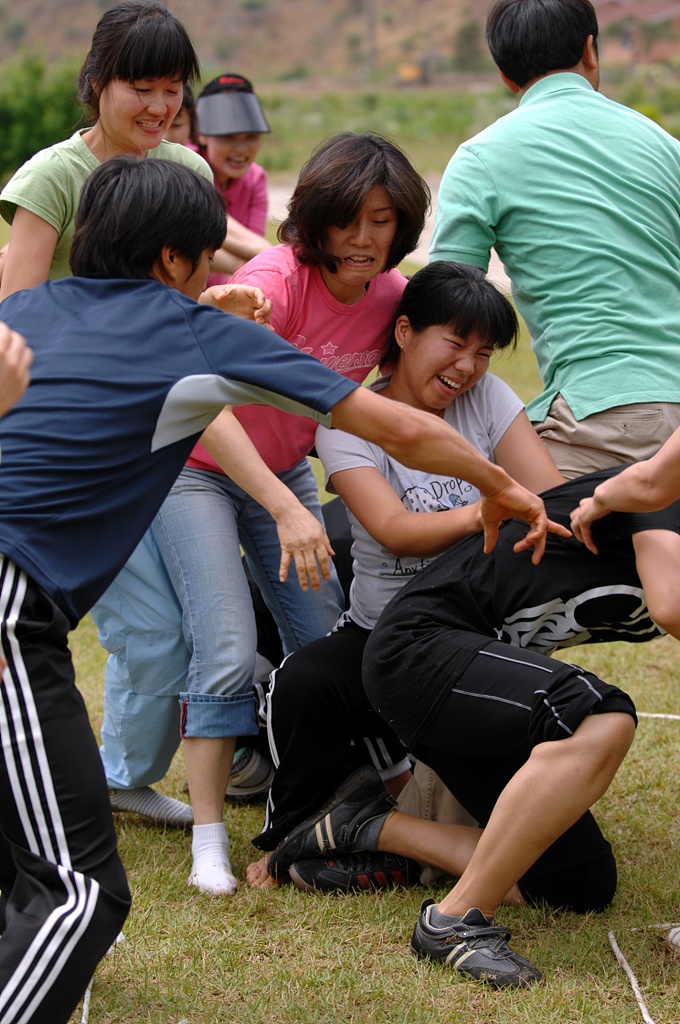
pixel 257 875
pixel 514 898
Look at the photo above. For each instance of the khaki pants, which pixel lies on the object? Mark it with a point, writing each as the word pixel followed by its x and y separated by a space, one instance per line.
pixel 625 433
pixel 426 796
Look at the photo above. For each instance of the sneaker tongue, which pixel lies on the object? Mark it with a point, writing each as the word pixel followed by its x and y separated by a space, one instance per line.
pixel 476 917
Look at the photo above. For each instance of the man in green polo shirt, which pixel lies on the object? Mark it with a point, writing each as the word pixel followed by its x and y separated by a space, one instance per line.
pixel 580 197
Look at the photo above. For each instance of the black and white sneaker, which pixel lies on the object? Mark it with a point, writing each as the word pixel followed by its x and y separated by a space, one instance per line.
pixel 351 820
pixel 251 776
pixel 475 946
pixel 354 872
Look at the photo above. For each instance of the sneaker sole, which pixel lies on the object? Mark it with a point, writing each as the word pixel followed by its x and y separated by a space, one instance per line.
pixel 244 793
pixel 374 880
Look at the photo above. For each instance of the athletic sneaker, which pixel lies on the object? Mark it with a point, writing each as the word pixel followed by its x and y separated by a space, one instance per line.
pixel 475 946
pixel 353 872
pixel 351 820
pixel 251 776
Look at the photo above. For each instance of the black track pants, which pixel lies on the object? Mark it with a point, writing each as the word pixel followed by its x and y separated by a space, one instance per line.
pixel 64 893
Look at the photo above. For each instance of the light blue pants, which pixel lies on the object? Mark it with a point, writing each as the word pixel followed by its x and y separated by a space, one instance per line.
pixel 178 621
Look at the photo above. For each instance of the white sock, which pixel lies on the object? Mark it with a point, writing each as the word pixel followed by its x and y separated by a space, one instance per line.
pixel 211 871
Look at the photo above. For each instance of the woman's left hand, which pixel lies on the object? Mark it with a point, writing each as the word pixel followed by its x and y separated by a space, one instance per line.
pixel 305 543
pixel 587 512
pixel 240 300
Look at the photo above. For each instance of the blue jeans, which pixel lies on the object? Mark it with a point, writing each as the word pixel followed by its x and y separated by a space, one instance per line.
pixel 198 532
pixel 139 620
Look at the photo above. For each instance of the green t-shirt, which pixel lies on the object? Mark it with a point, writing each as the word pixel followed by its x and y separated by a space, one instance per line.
pixel 580 197
pixel 49 186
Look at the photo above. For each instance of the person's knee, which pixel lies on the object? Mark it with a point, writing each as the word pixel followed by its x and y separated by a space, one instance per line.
pixel 598 745
pixel 300 690
pixel 119 899
pixel 664 609
pixel 606 739
pixel 584 885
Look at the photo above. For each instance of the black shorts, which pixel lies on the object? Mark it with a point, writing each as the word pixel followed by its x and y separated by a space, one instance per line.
pixel 506 702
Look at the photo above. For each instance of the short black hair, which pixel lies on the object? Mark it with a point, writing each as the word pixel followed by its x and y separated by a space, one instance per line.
pixel 130 208
pixel 189 104
pixel 138 39
pixel 530 38
pixel 460 297
pixel 333 186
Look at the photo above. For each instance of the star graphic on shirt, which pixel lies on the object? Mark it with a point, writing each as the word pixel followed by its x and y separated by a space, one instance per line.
pixel 328 349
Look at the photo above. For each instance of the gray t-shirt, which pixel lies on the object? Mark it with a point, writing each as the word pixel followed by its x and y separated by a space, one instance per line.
pixel 482 415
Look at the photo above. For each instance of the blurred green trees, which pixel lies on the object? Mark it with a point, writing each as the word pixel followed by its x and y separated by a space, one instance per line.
pixel 38 107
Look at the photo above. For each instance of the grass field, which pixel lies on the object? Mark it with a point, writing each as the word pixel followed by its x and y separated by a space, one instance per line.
pixel 294 958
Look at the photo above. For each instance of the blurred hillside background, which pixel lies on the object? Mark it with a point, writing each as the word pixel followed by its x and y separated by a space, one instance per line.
pixel 416 70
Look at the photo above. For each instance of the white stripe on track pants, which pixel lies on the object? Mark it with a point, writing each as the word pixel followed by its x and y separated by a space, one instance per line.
pixel 64 893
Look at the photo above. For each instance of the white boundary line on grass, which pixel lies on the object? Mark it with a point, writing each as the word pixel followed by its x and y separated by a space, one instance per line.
pixel 648 927
pixel 86 1003
pixel 663 927
pixel 631 977
pixel 88 991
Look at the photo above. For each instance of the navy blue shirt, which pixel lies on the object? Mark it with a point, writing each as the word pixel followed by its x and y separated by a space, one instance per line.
pixel 126 376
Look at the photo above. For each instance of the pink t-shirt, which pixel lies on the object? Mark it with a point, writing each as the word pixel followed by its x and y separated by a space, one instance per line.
pixel 349 339
pixel 247 202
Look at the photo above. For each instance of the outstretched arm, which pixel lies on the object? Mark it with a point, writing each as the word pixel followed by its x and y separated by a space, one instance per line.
pixel 424 441
pixel 657 559
pixel 302 537
pixel 645 487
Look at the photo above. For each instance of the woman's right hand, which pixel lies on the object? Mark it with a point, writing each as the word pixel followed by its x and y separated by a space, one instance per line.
pixel 305 543
pixel 242 300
